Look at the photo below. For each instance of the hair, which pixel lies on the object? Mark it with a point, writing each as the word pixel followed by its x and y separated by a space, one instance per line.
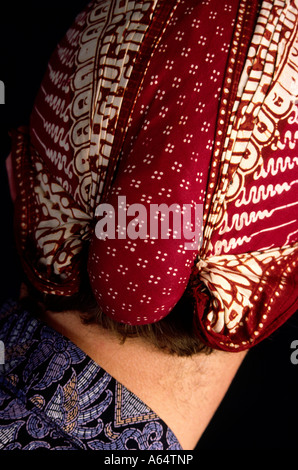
pixel 175 334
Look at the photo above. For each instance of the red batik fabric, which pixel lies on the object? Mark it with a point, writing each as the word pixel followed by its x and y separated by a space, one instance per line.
pixel 168 103
pixel 248 260
pixel 77 125
pixel 165 160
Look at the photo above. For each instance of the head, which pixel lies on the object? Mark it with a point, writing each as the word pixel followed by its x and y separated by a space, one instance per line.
pixel 76 156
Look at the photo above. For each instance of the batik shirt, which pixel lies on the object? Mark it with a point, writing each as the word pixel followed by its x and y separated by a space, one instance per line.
pixel 53 396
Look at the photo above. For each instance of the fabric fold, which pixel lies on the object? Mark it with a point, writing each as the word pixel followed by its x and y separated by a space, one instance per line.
pixel 246 296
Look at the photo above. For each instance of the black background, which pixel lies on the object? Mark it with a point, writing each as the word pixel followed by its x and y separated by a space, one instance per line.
pixel 260 410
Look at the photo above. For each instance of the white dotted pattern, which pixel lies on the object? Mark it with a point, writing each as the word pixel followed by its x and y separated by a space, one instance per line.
pixel 165 159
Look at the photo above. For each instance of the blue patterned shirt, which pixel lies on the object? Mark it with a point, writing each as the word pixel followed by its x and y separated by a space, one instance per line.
pixel 53 396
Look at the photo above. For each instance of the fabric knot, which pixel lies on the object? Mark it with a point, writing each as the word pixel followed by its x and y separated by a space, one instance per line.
pixel 201 264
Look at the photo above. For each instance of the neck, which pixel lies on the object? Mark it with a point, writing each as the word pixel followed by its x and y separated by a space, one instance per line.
pixel 184 391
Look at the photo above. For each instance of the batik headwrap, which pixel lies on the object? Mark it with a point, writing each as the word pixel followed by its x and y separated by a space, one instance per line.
pixel 173 103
